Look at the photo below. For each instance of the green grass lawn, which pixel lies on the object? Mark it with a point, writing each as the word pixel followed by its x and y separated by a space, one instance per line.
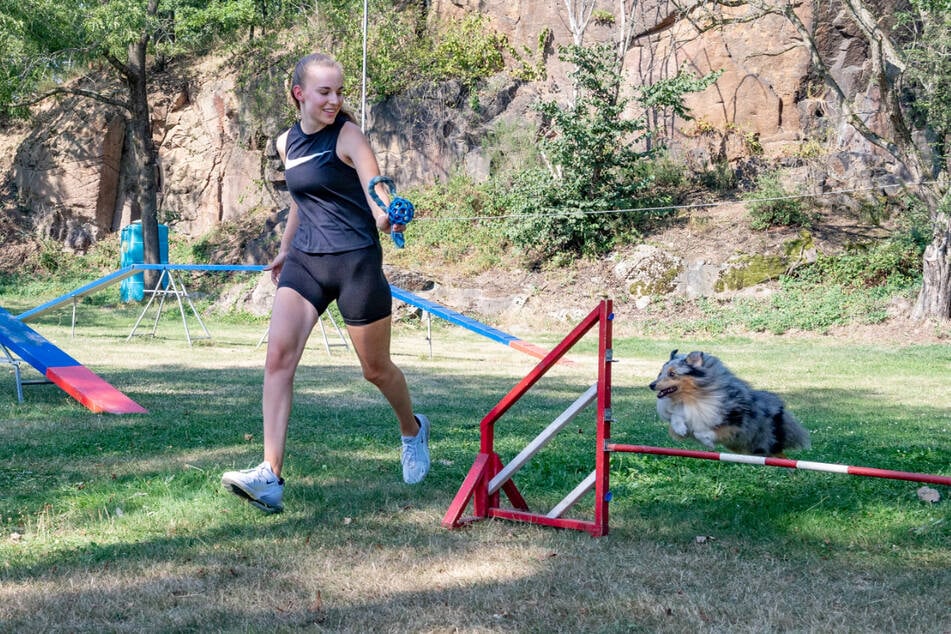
pixel 119 523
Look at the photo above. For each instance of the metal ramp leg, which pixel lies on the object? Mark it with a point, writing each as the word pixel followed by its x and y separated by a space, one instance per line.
pixel 178 290
pixel 13 362
pixel 323 332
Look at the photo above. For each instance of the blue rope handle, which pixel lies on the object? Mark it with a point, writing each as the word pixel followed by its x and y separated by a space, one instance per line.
pixel 400 211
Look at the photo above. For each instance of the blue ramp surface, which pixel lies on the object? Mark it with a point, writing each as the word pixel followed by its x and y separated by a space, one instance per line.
pixel 66 372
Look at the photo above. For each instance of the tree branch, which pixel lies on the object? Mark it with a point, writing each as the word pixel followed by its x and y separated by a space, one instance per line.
pixel 117 63
pixel 78 92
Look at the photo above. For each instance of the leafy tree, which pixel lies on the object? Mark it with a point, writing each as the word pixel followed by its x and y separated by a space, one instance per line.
pixel 910 67
pixel 43 43
pixel 593 150
pixel 589 142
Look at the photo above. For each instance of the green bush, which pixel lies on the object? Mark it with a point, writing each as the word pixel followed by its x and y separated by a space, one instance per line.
pixel 403 50
pixel 771 205
pixel 896 261
pixel 455 223
pixel 719 177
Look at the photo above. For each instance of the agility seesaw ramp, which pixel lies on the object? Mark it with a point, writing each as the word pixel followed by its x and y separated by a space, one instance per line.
pixel 97 395
pixel 64 371
pixel 467 322
pixel 123 273
pixel 403 295
pixel 68 374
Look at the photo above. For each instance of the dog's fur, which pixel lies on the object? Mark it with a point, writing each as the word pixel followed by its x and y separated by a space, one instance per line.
pixel 702 399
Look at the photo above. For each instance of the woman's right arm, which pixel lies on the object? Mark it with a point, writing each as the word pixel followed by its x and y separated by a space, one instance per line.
pixel 290 227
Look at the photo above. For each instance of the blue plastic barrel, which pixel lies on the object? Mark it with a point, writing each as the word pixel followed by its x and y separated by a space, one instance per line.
pixel 132 251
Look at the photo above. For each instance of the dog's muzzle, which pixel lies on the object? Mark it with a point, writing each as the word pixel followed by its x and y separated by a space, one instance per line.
pixel 667 391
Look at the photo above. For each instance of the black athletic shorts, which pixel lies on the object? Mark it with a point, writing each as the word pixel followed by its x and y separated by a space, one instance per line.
pixel 354 278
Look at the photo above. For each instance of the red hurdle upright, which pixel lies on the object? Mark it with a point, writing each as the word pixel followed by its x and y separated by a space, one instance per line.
pixel 488 475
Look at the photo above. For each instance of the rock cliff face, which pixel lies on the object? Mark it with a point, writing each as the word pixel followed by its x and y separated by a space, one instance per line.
pixel 67 169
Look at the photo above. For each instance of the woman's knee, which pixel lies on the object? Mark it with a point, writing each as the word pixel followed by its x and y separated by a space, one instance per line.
pixel 380 372
pixel 280 359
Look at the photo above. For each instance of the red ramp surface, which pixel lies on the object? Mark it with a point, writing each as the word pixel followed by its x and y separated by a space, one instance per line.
pixel 67 373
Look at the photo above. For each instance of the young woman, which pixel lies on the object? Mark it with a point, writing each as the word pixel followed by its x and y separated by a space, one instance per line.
pixel 330 251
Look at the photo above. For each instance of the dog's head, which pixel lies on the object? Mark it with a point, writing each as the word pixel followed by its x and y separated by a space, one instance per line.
pixel 678 374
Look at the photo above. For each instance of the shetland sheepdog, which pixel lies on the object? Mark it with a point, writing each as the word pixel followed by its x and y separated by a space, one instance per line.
pixel 701 399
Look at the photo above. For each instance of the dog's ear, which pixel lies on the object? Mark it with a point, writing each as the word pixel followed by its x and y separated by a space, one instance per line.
pixel 695 359
pixel 673 353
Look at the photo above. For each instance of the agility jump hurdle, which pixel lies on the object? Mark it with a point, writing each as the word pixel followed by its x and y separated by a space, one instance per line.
pixel 488 476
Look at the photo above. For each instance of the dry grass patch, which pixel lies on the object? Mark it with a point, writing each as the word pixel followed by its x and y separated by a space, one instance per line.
pixel 119 523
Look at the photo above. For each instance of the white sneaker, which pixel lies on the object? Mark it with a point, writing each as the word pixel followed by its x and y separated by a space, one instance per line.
pixel 415 453
pixel 259 486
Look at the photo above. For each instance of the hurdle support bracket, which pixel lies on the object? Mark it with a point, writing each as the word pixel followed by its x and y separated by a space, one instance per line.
pixel 488 478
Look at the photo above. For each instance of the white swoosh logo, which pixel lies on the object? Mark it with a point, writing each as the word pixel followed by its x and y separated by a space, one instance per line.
pixel 300 160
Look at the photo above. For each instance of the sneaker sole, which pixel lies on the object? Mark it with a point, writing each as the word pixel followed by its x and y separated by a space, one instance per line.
pixel 253 501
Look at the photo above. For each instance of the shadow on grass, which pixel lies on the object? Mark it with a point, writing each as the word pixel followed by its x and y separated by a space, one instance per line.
pixel 344 494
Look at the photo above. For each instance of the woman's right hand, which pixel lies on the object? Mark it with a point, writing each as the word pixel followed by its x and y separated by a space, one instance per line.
pixel 276 265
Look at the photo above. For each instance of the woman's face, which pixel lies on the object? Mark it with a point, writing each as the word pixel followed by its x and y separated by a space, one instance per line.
pixel 320 95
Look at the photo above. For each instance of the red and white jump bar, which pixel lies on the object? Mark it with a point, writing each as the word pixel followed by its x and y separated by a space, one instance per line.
pixel 765 461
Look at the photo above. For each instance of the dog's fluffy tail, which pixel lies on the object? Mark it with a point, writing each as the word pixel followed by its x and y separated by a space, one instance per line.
pixel 795 435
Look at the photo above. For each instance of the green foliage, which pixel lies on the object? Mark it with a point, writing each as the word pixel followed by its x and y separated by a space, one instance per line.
pixel 669 93
pixel 510 147
pixel 771 205
pixel 392 41
pixel 892 262
pixel 585 203
pixel 797 306
pixel 558 213
pixel 719 177
pixel 36 41
pixel 456 223
pixel 816 309
pixel 589 140
pixel 45 41
pixel 463 49
pixel 929 72
pixel 530 64
pixel 602 17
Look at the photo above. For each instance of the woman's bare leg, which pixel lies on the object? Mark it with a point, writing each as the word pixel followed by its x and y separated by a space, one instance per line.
pixel 292 319
pixel 372 344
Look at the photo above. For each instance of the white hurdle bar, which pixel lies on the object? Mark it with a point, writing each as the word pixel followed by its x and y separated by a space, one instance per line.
pixel 542 439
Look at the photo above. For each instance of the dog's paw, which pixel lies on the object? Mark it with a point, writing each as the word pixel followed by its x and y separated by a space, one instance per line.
pixel 679 427
pixel 707 439
pixel 676 436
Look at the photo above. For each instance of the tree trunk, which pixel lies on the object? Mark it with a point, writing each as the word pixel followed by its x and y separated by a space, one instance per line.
pixel 934 300
pixel 143 168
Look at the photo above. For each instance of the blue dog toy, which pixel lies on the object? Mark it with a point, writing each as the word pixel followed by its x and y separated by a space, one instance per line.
pixel 400 210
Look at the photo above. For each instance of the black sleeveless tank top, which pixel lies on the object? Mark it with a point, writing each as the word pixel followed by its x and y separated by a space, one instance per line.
pixel 334 213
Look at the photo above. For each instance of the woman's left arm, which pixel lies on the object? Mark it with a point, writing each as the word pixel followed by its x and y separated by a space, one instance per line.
pixel 354 150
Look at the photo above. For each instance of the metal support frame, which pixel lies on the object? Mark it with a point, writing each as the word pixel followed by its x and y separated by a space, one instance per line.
pixel 14 363
pixel 488 477
pixel 323 332
pixel 178 290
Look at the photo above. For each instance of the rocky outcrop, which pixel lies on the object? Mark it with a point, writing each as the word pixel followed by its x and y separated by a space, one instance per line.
pixel 68 172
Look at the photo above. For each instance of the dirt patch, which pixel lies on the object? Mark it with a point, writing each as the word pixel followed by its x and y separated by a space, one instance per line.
pixel 524 301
